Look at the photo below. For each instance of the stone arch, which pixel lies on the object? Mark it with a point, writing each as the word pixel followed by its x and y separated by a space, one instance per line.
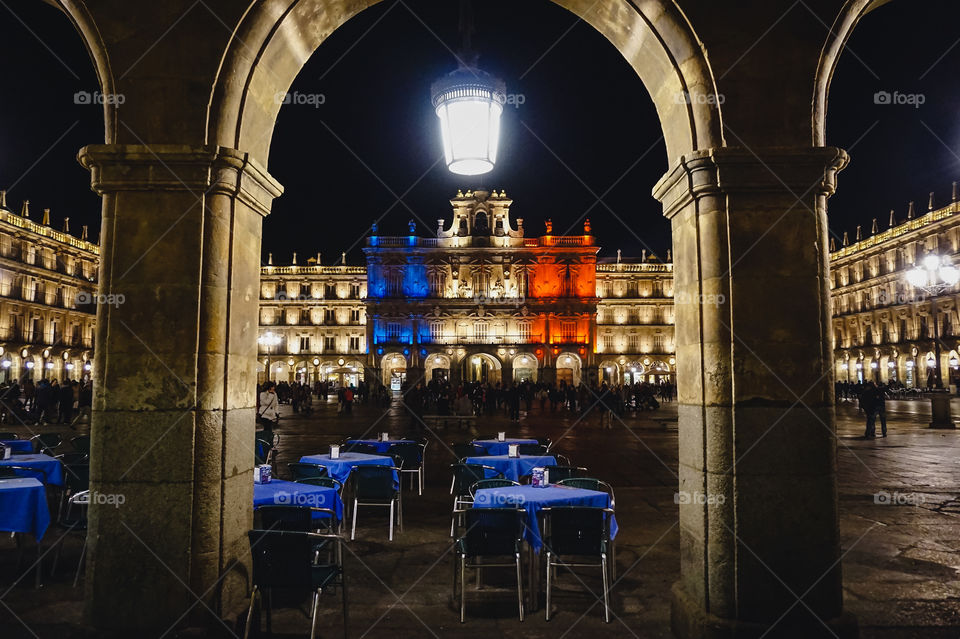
pixel 436 361
pixel 277 37
pixel 850 15
pixel 482 367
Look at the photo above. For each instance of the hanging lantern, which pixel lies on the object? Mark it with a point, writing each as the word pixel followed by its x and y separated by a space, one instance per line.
pixel 469 103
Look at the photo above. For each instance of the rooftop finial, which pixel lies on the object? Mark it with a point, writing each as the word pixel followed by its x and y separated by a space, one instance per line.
pixel 46 217
pixel 669 255
pixel 846 239
pixel 910 211
pixel 66 225
pixel 618 256
pixel 412 226
pixel 586 226
pixel 269 259
pixel 893 219
pixel 84 232
pixel 859 233
pixel 318 258
pixel 833 245
pixel 643 255
pixel 549 225
pixel 930 202
pixel 294 258
pixel 343 258
pixel 3 197
pixel 25 211
pixel 873 227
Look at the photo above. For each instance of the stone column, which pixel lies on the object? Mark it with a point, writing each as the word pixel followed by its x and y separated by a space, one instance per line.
pixel 174 384
pixel 758 488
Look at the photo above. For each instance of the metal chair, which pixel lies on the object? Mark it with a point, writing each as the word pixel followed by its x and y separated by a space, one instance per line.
pixel 581 532
pixel 465 476
pixel 377 486
pixel 490 483
pixel 328 482
pixel 300 470
pixel 46 443
pixel 461 451
pixel 286 559
pixel 589 483
pixel 81 444
pixel 532 449
pixel 70 525
pixel 9 436
pixel 490 532
pixel 411 462
pixel 76 478
pixel 559 473
pixel 264 452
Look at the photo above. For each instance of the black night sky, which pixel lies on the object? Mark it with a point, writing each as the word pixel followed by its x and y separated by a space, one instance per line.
pixel 586 128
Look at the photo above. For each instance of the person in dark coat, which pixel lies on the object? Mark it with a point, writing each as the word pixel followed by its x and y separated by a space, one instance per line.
pixel 868 404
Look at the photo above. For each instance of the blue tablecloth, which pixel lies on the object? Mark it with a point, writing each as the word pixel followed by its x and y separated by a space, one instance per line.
pixel 533 499
pixel 497 447
pixel 18 445
pixel 339 469
pixel 51 466
pixel 513 467
pixel 288 493
pixel 23 506
pixel 381 446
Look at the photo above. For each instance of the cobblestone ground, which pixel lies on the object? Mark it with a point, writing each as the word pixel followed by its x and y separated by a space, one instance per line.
pixel 899 505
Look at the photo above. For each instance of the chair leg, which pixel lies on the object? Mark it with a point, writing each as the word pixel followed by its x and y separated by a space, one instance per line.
pixel 253 600
pixel 453 517
pixel 353 530
pixel 83 553
pixel 549 584
pixel 391 520
pixel 346 624
pixel 313 617
pixel 463 586
pixel 606 588
pixel 420 481
pixel 519 587
pixel 399 513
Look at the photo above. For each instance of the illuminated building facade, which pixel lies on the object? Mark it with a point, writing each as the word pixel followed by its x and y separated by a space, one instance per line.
pixel 882 327
pixel 477 301
pixel 48 298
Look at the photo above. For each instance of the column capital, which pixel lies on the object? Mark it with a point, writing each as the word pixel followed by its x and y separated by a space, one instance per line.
pixel 787 170
pixel 206 169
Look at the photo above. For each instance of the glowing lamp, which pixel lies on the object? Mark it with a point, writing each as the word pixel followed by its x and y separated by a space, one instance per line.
pixel 954 362
pixel 890 364
pixel 5 363
pixel 909 363
pixel 930 362
pixel 29 364
pixel 917 277
pixel 949 274
pixel 873 365
pixel 469 103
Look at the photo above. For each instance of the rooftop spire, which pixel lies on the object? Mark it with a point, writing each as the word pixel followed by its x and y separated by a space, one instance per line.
pixel 294 257
pixel 46 217
pixel 846 239
pixel 930 203
pixel 910 211
pixel 873 227
pixel 83 232
pixel 859 233
pixel 318 258
pixel 269 259
pixel 833 245
pixel 893 219
pixel 25 211
pixel 3 197
pixel 66 225
pixel 669 255
pixel 343 258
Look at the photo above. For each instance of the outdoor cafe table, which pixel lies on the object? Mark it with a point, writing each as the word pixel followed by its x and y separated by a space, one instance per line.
pixel 19 446
pixel 382 446
pixel 513 467
pixel 340 468
pixel 497 447
pixel 23 506
pixel 50 465
pixel 533 499
pixel 278 492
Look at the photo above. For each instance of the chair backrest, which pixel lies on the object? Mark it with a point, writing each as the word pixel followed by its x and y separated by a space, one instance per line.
pixel 9 436
pixel 462 451
pixel 492 531
pixel 409 455
pixel 327 482
pixel 81 444
pixel 465 476
pixel 545 441
pixel 46 442
pixel 282 558
pixel 286 518
pixel 532 449
pixel 491 483
pixel 359 447
pixel 559 473
pixel 374 482
pixel 77 477
pixel 591 483
pixel 576 530
pixel 262 450
pixel 299 470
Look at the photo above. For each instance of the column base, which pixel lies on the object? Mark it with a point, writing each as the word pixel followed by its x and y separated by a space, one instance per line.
pixel 688 620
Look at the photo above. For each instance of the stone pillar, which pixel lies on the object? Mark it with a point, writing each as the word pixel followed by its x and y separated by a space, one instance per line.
pixel 174 384
pixel 758 488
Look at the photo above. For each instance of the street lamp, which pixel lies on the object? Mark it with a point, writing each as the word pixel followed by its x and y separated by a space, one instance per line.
pixel 469 103
pixel 935 275
pixel 269 340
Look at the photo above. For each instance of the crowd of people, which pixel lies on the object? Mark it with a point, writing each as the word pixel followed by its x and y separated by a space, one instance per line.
pixel 46 401
pixel 871 400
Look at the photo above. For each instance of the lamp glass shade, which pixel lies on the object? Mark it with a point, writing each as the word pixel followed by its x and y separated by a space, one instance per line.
pixel 917 277
pixel 469 103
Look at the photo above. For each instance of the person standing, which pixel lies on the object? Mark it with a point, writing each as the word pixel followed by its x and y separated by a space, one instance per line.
pixel 868 404
pixel 268 413
pixel 880 406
